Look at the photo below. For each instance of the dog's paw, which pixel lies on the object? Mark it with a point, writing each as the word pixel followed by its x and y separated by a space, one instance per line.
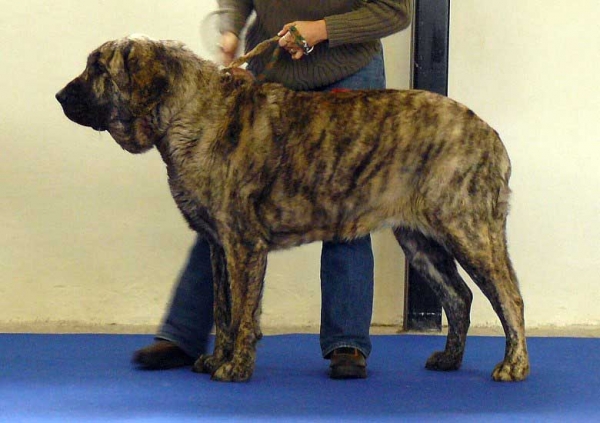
pixel 443 361
pixel 511 371
pixel 206 364
pixel 231 372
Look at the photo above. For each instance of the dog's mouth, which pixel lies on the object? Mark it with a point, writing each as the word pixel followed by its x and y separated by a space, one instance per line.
pixel 99 128
pixel 81 113
pixel 86 117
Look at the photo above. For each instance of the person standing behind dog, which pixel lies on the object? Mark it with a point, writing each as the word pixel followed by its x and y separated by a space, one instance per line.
pixel 334 44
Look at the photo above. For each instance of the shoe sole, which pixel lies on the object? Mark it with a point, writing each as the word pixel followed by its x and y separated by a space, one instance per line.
pixel 352 372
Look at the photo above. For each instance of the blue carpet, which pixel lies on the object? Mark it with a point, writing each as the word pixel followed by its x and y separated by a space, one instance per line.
pixel 88 378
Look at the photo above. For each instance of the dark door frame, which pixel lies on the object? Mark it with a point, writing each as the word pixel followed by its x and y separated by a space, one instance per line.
pixel 431 22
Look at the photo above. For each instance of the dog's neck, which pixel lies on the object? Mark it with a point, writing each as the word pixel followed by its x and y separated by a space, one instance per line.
pixel 179 109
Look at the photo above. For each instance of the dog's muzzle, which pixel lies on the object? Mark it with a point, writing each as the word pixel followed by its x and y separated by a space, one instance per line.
pixel 78 107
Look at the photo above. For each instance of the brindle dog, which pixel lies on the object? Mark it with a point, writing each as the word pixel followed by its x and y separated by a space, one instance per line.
pixel 258 167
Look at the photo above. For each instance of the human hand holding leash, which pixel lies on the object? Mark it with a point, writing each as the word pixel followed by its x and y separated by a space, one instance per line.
pixel 289 39
pixel 310 34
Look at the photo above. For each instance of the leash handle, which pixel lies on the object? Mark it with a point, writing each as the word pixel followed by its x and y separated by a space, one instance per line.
pixel 300 41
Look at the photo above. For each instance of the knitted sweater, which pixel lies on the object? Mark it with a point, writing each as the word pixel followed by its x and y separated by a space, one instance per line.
pixel 354 28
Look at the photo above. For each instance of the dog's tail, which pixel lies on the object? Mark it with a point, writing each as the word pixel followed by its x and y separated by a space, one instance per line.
pixel 503 167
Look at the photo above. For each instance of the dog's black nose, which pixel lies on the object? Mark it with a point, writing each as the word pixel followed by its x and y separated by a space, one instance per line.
pixel 61 96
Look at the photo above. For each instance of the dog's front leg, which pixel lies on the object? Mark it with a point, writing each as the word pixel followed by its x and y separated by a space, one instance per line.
pixel 223 349
pixel 246 265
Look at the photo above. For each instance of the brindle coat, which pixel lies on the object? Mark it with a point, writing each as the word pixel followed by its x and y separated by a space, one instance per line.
pixel 256 168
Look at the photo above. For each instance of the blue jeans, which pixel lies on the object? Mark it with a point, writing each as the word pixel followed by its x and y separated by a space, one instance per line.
pixel 346 277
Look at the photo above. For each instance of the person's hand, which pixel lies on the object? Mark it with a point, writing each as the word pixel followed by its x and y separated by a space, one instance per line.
pixel 228 45
pixel 314 32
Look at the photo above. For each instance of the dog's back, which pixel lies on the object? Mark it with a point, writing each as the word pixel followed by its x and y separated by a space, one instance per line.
pixel 340 165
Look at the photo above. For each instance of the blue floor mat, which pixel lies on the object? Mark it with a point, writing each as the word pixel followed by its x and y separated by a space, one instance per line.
pixel 89 378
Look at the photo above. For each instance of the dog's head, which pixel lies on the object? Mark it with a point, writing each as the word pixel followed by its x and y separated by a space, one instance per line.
pixel 120 88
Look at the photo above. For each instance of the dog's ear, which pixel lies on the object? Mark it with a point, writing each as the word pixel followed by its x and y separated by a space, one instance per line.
pixel 140 75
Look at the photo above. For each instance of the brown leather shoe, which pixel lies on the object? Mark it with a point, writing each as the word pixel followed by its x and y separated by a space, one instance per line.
pixel 162 355
pixel 347 363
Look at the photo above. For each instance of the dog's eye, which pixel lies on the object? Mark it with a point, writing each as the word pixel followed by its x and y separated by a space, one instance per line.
pixel 100 68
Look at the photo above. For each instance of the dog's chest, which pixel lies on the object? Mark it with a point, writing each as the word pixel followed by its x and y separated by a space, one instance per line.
pixel 194 211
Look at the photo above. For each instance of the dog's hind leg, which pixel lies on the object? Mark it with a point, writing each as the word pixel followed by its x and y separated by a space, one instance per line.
pixel 481 250
pixel 223 349
pixel 246 266
pixel 438 268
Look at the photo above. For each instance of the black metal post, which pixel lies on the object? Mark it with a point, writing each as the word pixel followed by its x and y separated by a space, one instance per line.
pixel 422 309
